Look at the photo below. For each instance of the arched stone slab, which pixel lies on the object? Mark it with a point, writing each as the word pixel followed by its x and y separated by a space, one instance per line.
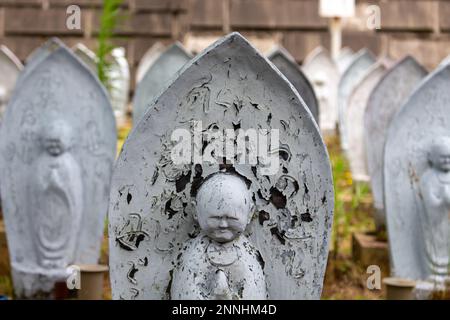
pixel 39 55
pixel 148 59
pixel 385 101
pixel 87 56
pixel 157 77
pixel 418 224
pixel 351 77
pixel 344 59
pixel 58 147
pixel 119 80
pixel 323 74
pixel 355 117
pixel 151 218
pixel 10 67
pixel 291 70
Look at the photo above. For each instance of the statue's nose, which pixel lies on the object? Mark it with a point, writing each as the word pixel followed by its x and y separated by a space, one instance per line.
pixel 223 223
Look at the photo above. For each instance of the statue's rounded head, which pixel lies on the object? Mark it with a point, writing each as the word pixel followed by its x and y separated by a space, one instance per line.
pixel 439 155
pixel 224 207
pixel 56 137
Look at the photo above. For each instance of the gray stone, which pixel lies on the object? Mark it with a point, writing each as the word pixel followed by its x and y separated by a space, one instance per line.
pixel 355 117
pixel 445 61
pixel 344 59
pixel 386 99
pixel 148 59
pixel 10 67
pixel 159 207
pixel 291 70
pixel 87 56
pixel 37 56
pixel 58 149
pixel 323 74
pixel 119 81
pixel 163 69
pixel 417 182
pixel 351 77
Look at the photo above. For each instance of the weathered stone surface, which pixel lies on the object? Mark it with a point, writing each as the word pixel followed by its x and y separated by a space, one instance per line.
pixel 148 59
pixel 385 101
pixel 351 77
pixel 119 77
pixel 157 77
pixel 344 59
pixel 357 104
pixel 87 56
pixel 323 74
pixel 58 148
pixel 37 56
pixel 416 181
pixel 10 67
pixel 291 70
pixel 152 215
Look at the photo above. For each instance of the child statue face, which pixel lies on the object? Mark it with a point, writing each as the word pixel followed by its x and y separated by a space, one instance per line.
pixel 440 156
pixel 224 207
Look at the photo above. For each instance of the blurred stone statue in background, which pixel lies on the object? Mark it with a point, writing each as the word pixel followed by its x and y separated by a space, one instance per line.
pixel 435 194
pixel 57 197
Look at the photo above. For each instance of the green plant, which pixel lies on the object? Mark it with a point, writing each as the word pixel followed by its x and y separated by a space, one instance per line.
pixel 109 20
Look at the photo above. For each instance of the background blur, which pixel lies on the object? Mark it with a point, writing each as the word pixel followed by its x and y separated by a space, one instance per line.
pixel 417 27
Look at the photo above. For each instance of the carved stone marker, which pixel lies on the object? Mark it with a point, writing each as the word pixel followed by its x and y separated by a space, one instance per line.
pixel 417 182
pixel 37 56
pixel 344 59
pixel 196 214
pixel 355 117
pixel 291 70
pixel 87 56
pixel 385 101
pixel 10 67
pixel 148 59
pixel 351 77
pixel 119 75
pixel 58 148
pixel 157 78
pixel 323 74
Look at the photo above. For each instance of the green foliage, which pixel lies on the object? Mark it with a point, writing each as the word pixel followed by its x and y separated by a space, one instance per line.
pixel 352 202
pixel 6 288
pixel 111 16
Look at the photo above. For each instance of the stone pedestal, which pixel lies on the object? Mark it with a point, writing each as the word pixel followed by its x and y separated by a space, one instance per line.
pixel 368 250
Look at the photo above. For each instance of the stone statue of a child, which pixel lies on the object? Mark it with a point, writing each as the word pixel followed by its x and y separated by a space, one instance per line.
pixel 435 191
pixel 220 263
pixel 57 198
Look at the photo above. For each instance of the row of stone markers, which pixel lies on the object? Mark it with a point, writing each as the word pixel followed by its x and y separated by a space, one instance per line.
pixel 58 147
pixel 223 190
pixel 394 121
